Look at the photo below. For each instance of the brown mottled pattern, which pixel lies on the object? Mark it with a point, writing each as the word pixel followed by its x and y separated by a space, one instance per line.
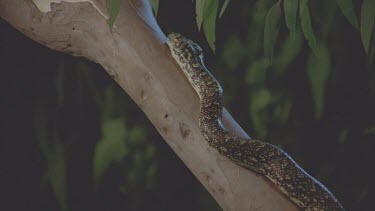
pixel 264 158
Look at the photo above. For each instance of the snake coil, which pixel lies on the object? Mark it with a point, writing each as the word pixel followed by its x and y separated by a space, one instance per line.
pixel 261 157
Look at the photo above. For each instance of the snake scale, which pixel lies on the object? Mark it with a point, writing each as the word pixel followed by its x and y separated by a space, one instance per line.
pixel 261 157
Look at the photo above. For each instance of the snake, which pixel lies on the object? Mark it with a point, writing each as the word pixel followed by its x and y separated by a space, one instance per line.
pixel 261 157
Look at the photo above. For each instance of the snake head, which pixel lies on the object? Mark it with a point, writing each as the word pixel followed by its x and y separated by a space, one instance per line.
pixel 184 50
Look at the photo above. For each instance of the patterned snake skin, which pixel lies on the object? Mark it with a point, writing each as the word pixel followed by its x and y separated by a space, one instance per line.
pixel 261 157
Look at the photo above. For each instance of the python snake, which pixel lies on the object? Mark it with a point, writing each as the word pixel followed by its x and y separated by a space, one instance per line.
pixel 261 157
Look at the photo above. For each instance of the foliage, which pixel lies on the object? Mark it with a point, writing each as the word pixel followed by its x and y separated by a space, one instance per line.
pixel 367 22
pixel 318 70
pixel 209 21
pixel 207 10
pixel 271 29
pixel 306 25
pixel 290 11
pixel 225 4
pixel 111 148
pixel 155 6
pixel 113 10
pixel 347 9
pixel 53 150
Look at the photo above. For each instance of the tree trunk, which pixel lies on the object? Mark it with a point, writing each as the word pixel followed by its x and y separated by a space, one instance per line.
pixel 137 58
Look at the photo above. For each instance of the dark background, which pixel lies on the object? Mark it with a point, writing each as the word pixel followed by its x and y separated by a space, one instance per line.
pixel 54 109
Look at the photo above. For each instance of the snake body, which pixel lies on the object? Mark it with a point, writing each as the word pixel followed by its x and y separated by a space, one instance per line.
pixel 261 157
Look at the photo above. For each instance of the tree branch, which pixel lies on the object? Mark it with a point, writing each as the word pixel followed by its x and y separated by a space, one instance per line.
pixel 137 58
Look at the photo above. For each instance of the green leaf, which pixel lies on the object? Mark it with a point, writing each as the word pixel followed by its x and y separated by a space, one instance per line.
pixel 256 73
pixel 288 52
pixel 259 102
pixel 318 70
pixel 57 173
pixel 225 4
pixel 110 149
pixel 233 53
pixel 41 129
pixel 271 29
pixel 155 6
pixel 53 151
pixel 199 8
pixel 347 9
pixel 290 10
pixel 306 25
pixel 262 99
pixel 209 21
pixel 137 136
pixel 283 109
pixel 343 136
pixel 367 22
pixel 369 131
pixel 113 7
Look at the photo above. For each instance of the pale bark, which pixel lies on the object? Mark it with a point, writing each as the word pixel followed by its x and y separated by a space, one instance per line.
pixel 136 56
